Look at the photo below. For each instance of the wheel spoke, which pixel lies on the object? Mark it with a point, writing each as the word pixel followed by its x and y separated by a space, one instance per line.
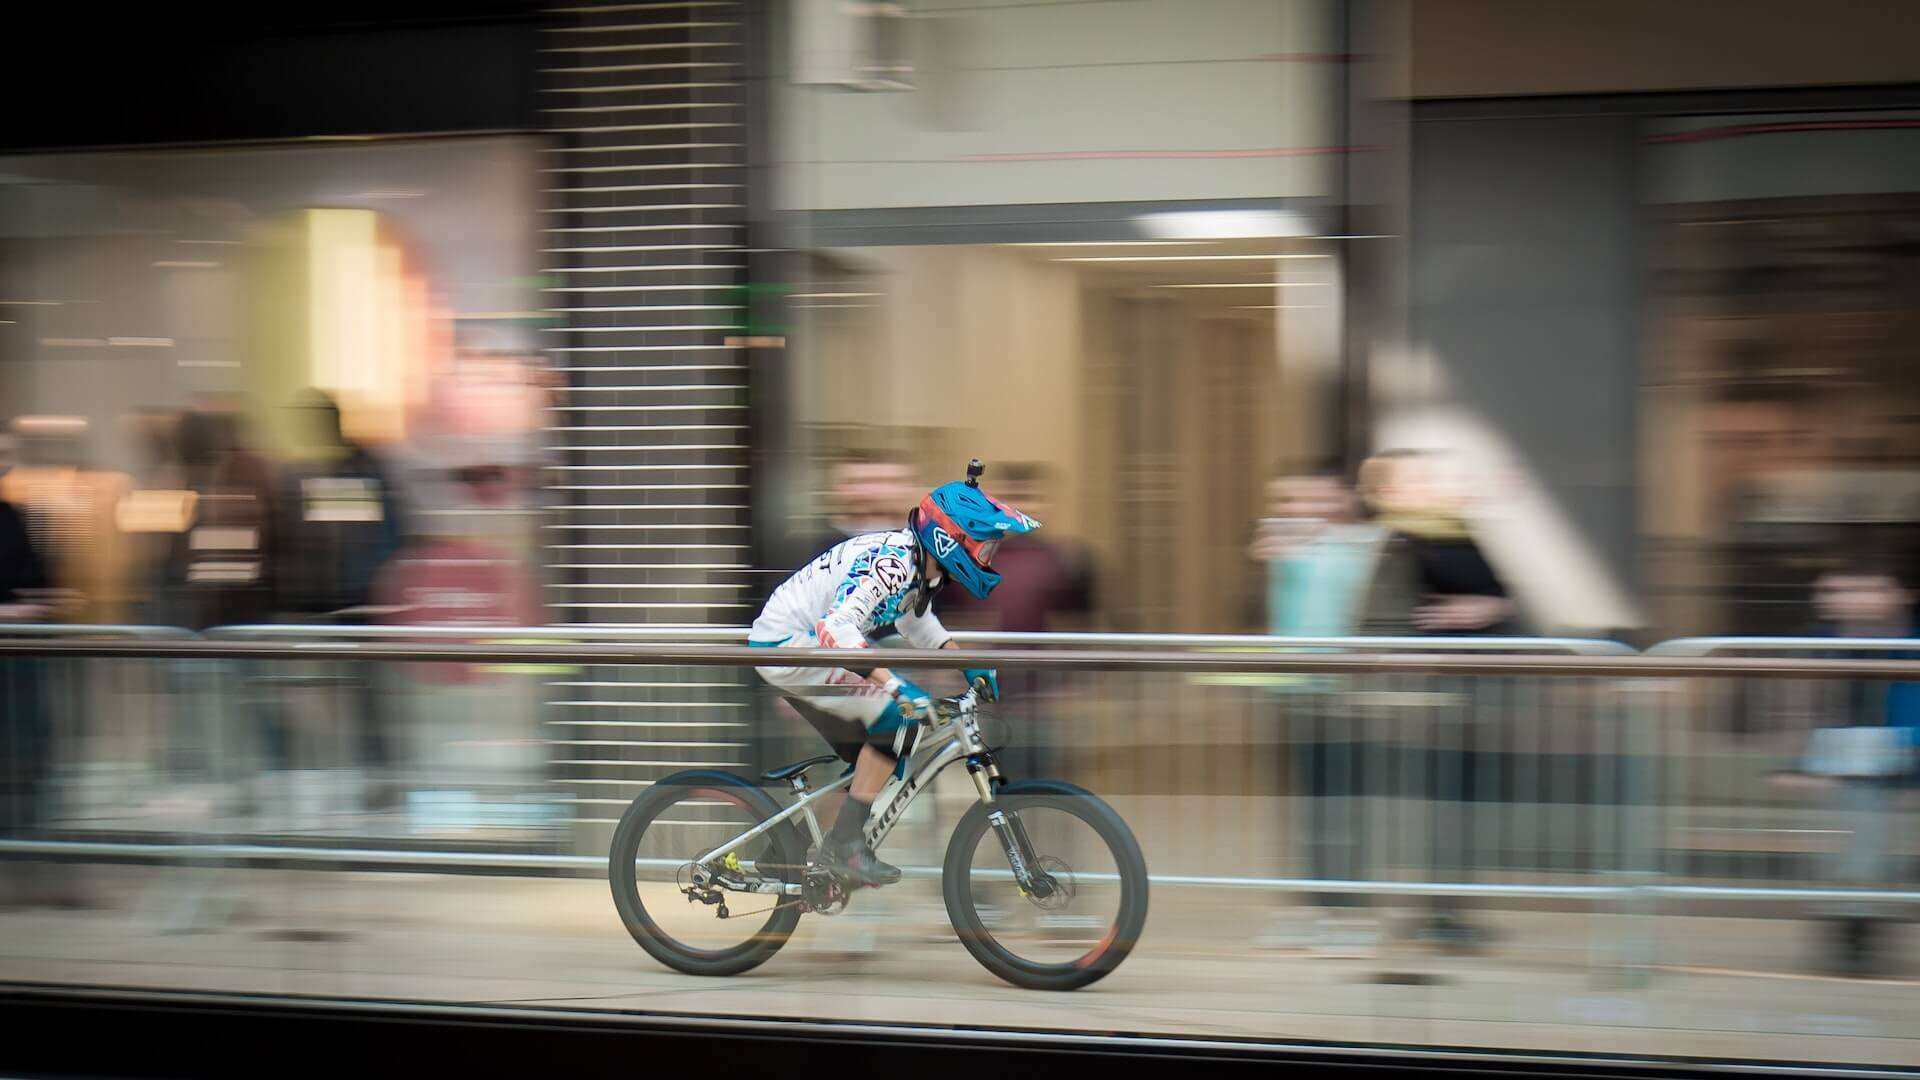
pixel 1071 907
pixel 686 920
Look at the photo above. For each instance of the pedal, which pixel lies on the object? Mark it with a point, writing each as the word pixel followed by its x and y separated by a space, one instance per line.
pixel 824 892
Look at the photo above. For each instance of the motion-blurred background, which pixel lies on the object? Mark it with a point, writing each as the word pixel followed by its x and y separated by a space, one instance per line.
pixel 1599 318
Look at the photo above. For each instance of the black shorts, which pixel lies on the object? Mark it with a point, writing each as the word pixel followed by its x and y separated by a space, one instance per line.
pixel 844 736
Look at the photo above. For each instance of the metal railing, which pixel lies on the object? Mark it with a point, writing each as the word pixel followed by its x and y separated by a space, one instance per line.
pixel 1561 769
pixel 1288 656
pixel 686 634
pixel 1742 740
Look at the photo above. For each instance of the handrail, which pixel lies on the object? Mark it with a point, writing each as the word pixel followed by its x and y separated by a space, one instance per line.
pixel 130 630
pixel 1713 646
pixel 1462 657
pixel 682 634
pixel 306 632
pixel 691 635
pixel 547 863
pixel 640 654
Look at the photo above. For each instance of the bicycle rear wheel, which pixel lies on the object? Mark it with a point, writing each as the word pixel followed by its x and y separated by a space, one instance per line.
pixel 1095 887
pixel 650 870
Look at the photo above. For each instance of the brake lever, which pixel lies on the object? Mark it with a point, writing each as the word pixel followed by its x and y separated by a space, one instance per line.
pixel 950 708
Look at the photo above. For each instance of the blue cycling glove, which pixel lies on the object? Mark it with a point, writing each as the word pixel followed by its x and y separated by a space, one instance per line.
pixel 912 701
pixel 991 691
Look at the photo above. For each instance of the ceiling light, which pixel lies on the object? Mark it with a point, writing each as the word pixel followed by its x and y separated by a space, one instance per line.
pixel 1108 243
pixel 50 425
pixel 1223 224
pixel 1246 285
pixel 1181 258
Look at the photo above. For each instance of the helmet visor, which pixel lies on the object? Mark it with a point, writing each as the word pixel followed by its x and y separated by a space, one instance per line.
pixel 983 551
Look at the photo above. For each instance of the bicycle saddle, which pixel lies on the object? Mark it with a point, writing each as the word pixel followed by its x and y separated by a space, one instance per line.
pixel 786 772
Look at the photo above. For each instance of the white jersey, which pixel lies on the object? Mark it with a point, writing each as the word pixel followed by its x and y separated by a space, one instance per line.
pixel 844 594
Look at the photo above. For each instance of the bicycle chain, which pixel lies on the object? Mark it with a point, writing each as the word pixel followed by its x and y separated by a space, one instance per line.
pixel 764 911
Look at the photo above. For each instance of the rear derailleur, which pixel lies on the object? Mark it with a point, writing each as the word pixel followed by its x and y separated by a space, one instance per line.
pixel 703 889
pixel 710 897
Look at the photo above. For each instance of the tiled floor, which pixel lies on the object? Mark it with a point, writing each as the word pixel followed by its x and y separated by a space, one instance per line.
pixel 1723 987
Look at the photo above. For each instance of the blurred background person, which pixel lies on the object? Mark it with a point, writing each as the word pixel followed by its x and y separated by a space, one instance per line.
pixel 463 548
pixel 25 743
pixel 155 513
pixel 470 759
pixel 1767 441
pixel 1433 578
pixel 1864 757
pixel 222 567
pixel 23 572
pixel 869 491
pixel 69 507
pixel 340 517
pixel 1318 552
pixel 223 562
pixel 1319 557
pixel 70 503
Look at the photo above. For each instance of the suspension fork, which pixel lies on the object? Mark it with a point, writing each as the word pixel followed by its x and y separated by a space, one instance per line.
pixel 1014 841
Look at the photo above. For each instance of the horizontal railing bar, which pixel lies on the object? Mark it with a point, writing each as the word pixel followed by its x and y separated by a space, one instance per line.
pixel 93 630
pixel 244 853
pixel 1713 646
pixel 645 654
pixel 470 860
pixel 1574 646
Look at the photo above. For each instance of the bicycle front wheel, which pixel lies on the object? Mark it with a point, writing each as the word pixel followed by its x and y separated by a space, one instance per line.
pixel 720 928
pixel 1089 900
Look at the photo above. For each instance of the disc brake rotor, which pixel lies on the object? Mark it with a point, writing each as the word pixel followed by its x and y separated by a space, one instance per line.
pixel 1064 886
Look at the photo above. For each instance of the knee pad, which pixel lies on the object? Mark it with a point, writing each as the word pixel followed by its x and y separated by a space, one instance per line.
pixel 894 735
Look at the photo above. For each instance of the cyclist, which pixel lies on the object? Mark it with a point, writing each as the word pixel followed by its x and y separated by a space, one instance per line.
pixel 838 600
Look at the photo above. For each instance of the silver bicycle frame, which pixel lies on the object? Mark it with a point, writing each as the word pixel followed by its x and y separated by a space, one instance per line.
pixel 962 739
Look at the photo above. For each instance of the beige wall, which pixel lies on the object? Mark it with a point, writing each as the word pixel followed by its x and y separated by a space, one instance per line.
pixel 1042 103
pixel 1160 416
pixel 966 352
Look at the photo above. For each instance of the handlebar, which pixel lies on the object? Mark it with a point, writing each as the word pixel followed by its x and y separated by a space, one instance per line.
pixel 949 708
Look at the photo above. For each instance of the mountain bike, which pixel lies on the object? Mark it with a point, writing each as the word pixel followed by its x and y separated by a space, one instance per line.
pixel 1044 883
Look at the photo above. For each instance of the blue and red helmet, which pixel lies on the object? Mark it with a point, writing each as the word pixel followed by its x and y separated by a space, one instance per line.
pixel 962 527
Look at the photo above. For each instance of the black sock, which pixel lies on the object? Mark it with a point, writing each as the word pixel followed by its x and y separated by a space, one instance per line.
pixel 853 818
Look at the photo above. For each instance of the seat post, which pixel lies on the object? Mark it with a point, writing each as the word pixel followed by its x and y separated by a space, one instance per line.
pixel 801 789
